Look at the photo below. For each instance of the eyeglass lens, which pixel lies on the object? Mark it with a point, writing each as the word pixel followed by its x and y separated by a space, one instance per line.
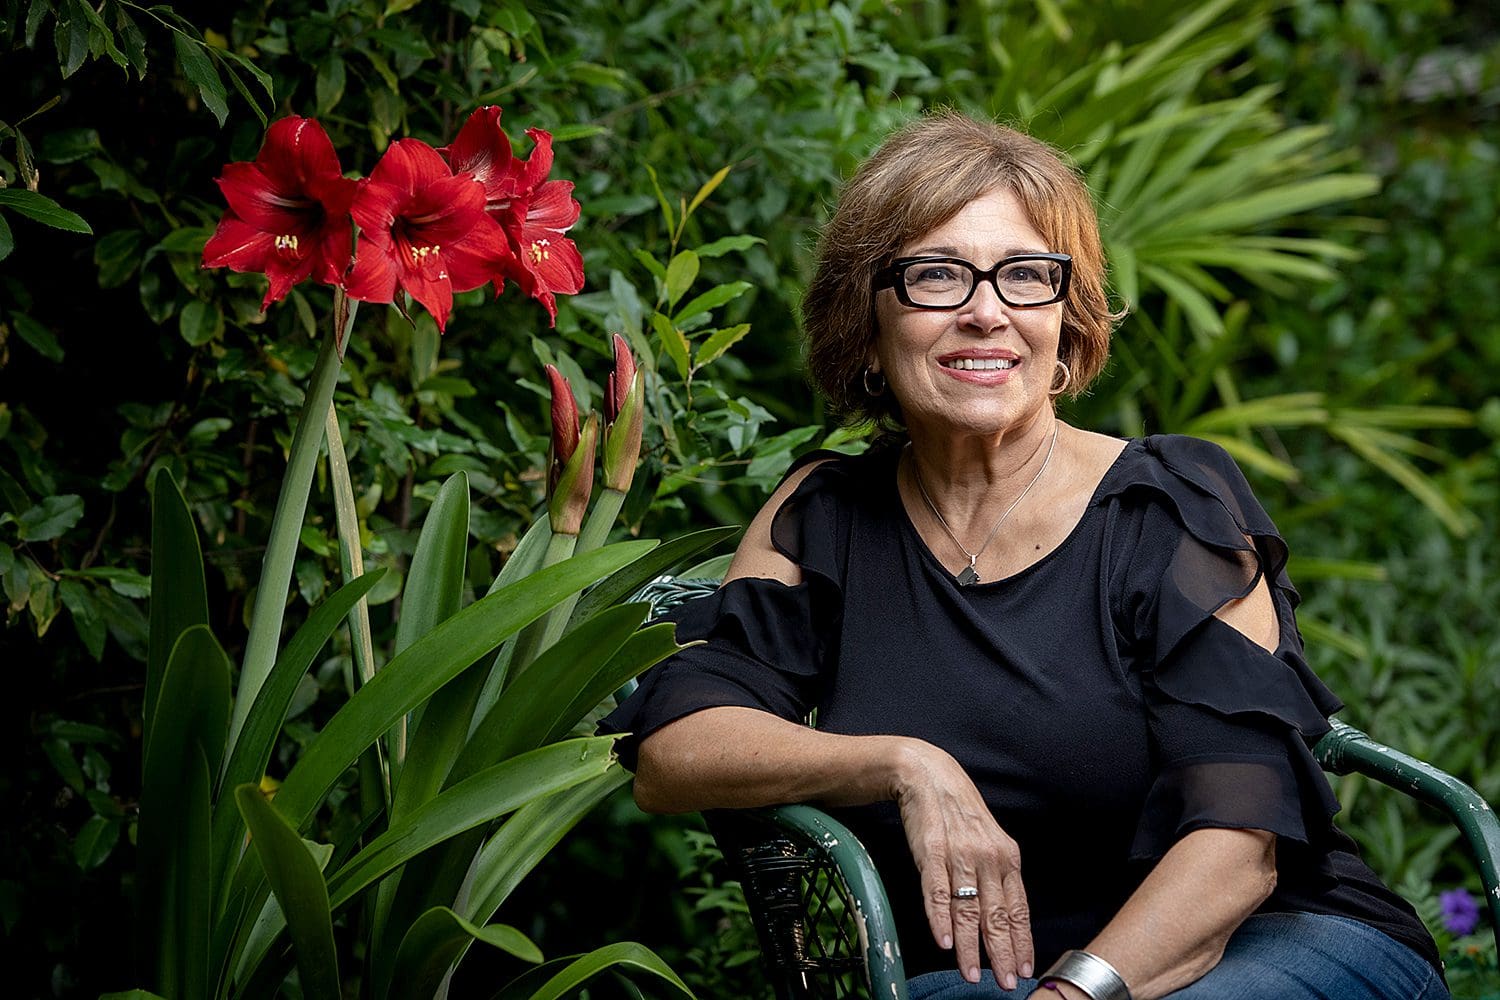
pixel 944 283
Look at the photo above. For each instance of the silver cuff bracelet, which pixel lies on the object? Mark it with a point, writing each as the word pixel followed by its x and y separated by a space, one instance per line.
pixel 1089 973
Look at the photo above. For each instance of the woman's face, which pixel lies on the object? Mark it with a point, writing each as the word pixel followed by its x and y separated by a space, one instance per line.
pixel 932 358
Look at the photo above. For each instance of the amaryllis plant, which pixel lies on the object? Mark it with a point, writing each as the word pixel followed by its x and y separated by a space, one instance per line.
pixel 461 739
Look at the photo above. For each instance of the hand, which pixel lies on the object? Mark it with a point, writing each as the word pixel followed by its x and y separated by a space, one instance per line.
pixel 955 842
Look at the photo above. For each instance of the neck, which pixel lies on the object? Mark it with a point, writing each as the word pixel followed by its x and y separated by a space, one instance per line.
pixel 968 474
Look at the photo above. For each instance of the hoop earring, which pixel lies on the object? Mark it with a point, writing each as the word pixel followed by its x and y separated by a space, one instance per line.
pixel 879 388
pixel 1067 379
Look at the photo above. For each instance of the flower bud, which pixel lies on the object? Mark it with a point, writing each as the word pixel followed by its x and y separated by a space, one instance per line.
pixel 625 413
pixel 621 378
pixel 564 425
pixel 573 481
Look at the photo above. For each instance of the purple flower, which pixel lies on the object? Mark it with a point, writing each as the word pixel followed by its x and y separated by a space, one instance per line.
pixel 1460 911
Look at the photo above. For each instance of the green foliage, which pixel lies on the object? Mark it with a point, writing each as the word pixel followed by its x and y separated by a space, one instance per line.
pixel 1342 359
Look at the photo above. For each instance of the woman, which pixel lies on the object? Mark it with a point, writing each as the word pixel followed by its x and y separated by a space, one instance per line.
pixel 1059 688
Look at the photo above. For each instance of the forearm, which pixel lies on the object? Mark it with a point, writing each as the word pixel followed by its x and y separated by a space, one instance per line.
pixel 1173 928
pixel 736 758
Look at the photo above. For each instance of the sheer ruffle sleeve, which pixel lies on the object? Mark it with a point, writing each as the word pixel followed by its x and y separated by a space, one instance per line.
pixel 758 643
pixel 1231 722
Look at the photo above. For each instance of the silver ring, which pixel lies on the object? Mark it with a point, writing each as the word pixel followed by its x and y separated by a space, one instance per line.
pixel 966 892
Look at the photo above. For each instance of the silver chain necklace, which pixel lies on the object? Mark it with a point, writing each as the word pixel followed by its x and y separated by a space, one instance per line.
pixel 970 576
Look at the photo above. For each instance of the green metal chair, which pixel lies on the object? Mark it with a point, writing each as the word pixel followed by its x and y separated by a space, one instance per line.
pixel 820 910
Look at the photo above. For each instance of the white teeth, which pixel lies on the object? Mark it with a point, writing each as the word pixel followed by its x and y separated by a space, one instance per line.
pixel 980 364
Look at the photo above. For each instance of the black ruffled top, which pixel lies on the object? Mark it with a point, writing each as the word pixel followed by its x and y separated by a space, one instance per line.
pixel 1099 705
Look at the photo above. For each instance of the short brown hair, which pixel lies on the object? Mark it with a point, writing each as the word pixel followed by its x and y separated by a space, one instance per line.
pixel 920 177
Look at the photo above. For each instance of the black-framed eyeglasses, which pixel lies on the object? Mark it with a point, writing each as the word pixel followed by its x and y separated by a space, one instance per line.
pixel 1028 279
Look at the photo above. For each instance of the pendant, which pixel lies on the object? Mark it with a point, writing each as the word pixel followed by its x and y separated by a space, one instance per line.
pixel 968 577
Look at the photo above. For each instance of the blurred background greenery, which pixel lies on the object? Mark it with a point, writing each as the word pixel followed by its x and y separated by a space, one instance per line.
pixel 1300 203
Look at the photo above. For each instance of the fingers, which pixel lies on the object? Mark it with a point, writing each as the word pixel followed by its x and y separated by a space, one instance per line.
pixel 1018 911
pixel 968 909
pixel 997 918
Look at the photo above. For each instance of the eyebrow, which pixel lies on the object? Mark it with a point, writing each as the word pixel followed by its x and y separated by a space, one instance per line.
pixel 947 251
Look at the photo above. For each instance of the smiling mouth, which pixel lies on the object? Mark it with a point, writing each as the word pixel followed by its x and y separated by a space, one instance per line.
pixel 979 364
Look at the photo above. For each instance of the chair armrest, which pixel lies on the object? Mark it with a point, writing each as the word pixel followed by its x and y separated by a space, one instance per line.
pixel 1347 749
pixel 817 902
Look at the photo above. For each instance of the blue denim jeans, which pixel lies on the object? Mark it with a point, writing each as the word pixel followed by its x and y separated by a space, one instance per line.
pixel 1273 956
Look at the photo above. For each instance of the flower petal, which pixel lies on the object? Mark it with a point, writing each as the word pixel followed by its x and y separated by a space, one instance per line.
pixel 481 256
pixel 410 165
pixel 256 199
pixel 238 246
pixel 483 149
pixel 554 260
pixel 374 277
pixel 444 211
pixel 553 207
pixel 296 153
pixel 539 164
pixel 374 209
pixel 428 283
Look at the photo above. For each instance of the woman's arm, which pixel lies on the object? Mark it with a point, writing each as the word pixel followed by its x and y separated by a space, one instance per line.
pixel 1173 928
pixel 733 757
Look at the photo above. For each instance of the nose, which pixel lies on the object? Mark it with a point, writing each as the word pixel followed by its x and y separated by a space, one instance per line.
pixel 984 311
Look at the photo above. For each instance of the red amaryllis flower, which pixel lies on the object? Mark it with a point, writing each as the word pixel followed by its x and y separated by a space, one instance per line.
pixel 288 211
pixel 422 229
pixel 534 212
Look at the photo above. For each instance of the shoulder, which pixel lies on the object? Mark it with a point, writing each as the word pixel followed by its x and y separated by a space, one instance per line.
pixel 817 485
pixel 1192 482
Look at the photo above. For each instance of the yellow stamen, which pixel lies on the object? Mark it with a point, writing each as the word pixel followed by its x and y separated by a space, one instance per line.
pixel 287 242
pixel 539 251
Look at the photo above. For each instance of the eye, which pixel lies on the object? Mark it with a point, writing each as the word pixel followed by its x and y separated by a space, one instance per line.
pixel 1023 273
pixel 934 272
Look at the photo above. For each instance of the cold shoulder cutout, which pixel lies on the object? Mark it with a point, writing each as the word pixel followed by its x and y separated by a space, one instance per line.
pixel 1232 723
pixel 758 643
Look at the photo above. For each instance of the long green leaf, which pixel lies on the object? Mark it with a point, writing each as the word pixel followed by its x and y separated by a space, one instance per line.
pixel 585 967
pixel 179 597
pixel 435 583
pixel 524 561
pixel 526 837
pixel 533 714
pixel 433 594
pixel 1276 203
pixel 248 760
pixel 641 651
pixel 174 837
pixel 641 572
pixel 534 700
pixel 429 663
pixel 298 884
pixel 286 527
pixel 437 939
pixel 492 792
pixel 1454 518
